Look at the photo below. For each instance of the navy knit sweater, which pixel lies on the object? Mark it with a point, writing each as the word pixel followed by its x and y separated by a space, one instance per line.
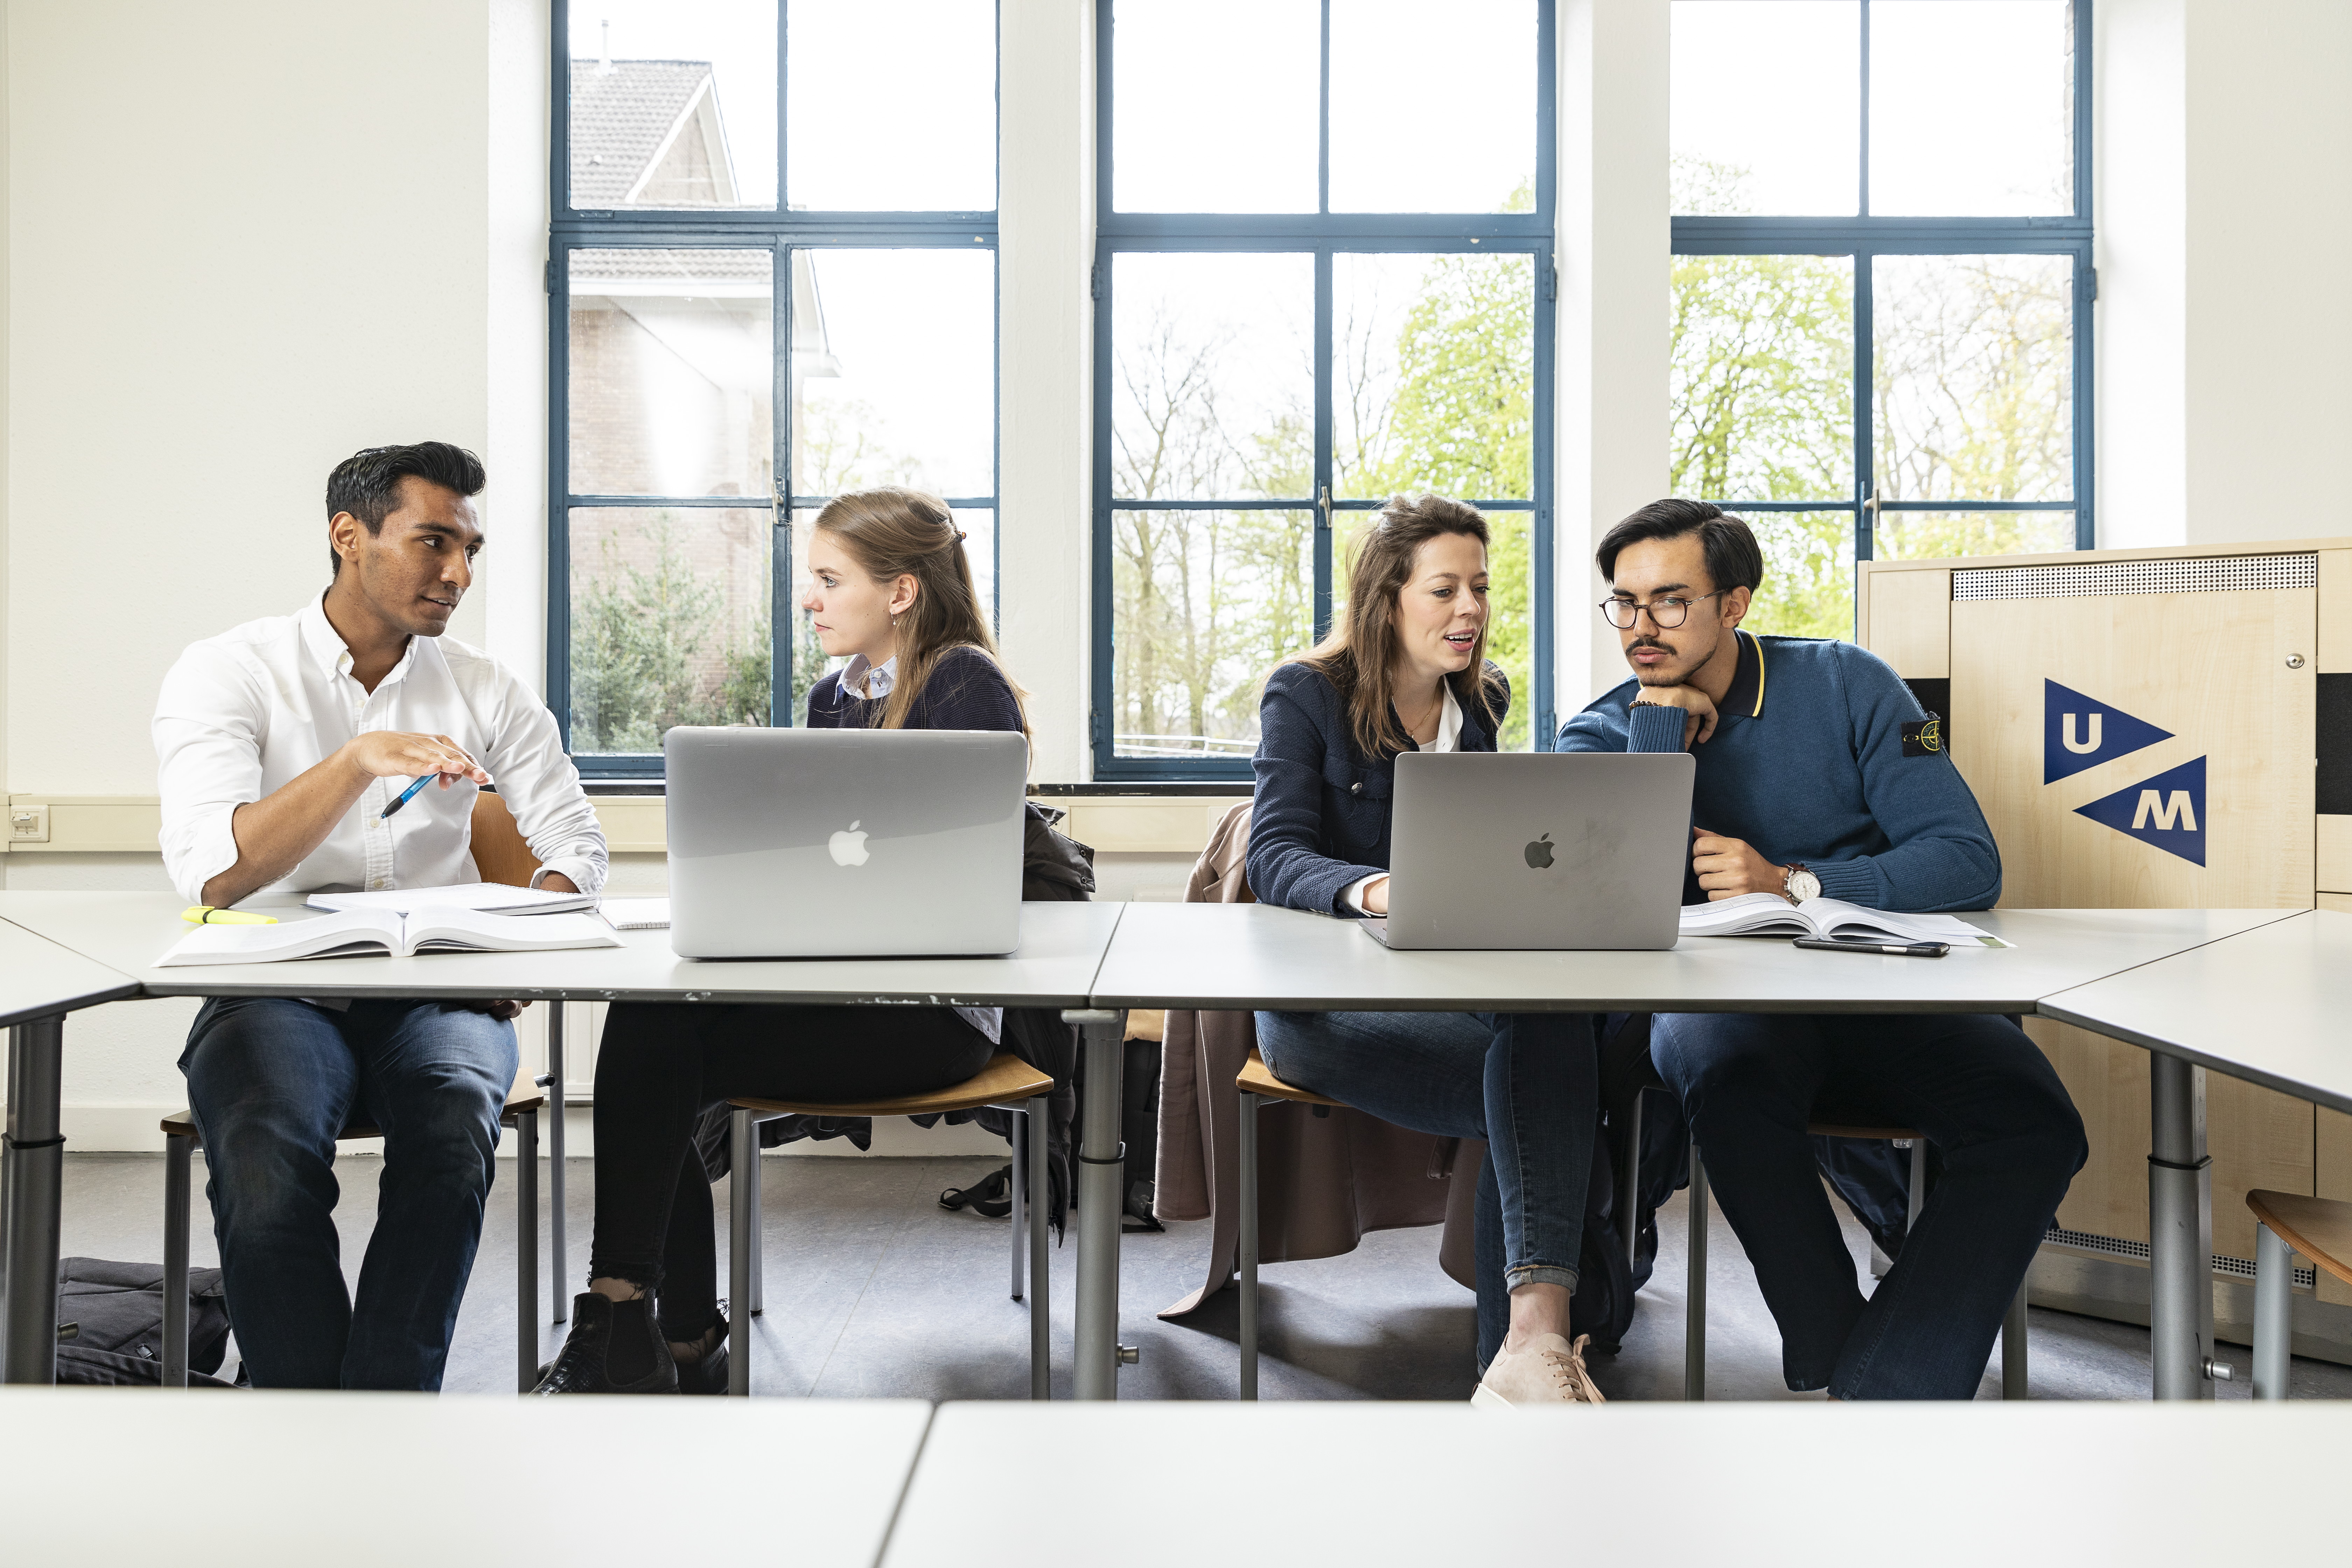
pixel 1825 777
pixel 1320 822
pixel 965 691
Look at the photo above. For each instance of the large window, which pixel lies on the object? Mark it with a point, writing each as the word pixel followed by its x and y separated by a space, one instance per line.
pixel 772 277
pixel 1323 277
pixel 1882 283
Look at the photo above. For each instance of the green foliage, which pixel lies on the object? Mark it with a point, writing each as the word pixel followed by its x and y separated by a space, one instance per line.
pixel 638 637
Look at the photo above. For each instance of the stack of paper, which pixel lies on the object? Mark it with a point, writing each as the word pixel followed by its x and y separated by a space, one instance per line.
pixel 486 897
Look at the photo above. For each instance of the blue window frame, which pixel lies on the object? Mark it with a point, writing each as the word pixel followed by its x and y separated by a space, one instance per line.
pixel 1963 335
pixel 1253 370
pixel 694 297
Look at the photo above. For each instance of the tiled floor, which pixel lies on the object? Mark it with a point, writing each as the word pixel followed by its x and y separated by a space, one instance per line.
pixel 873 1288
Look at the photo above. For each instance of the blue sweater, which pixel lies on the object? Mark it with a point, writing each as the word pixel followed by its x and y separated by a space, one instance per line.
pixel 966 691
pixel 1320 823
pixel 1825 777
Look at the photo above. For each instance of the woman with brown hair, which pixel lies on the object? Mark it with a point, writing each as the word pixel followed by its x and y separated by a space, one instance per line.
pixel 891 590
pixel 1404 669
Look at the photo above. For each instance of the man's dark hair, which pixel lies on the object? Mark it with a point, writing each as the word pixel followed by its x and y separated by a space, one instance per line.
pixel 367 483
pixel 1733 559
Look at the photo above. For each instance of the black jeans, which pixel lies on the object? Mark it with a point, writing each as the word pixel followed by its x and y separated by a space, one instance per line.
pixel 662 1064
pixel 1983 1094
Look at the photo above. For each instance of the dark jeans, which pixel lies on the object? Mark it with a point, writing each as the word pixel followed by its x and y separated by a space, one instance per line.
pixel 272 1081
pixel 1527 1083
pixel 1981 1094
pixel 661 1065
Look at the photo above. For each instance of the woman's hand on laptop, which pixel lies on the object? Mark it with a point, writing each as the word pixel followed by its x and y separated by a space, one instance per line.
pixel 1376 896
pixel 1728 868
pixel 1698 708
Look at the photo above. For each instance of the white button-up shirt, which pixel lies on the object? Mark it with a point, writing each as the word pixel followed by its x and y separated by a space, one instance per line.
pixel 244 713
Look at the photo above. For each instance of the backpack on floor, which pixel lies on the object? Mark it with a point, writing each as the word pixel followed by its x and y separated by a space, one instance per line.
pixel 117 1310
pixel 1608 1281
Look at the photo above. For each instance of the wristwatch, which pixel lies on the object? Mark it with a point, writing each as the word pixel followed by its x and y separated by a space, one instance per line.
pixel 1800 885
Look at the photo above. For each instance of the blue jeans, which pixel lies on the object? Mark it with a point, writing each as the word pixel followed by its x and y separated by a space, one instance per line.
pixel 1527 1083
pixel 272 1081
pixel 1980 1090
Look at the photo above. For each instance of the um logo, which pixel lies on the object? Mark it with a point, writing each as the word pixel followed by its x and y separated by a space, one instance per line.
pixel 2166 811
pixel 2079 733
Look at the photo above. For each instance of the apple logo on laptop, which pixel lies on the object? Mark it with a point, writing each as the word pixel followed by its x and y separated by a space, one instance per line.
pixel 848 848
pixel 1540 854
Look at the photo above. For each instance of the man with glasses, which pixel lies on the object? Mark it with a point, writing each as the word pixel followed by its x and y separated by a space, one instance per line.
pixel 1820 775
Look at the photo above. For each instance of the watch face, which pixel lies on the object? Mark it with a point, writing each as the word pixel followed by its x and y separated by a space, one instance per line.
pixel 1803 885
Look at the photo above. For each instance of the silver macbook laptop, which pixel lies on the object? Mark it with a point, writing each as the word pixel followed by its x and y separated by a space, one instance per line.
pixel 845 843
pixel 1538 849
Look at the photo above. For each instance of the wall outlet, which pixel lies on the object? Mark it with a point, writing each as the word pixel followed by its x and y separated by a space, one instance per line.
pixel 28 825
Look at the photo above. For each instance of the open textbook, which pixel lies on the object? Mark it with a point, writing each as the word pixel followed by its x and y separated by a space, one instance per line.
pixel 486 897
pixel 368 933
pixel 1831 919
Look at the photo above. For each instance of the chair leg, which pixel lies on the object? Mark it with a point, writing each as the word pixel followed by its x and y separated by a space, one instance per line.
pixel 527 1251
pixel 179 1155
pixel 1695 1290
pixel 1629 1182
pixel 1020 1192
pixel 1919 1182
pixel 1041 1291
pixel 559 1270
pixel 759 1232
pixel 1249 1245
pixel 743 1224
pixel 2013 1384
pixel 2273 1312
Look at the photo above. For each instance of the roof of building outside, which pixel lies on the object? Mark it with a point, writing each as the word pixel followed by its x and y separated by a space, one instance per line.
pixel 622 112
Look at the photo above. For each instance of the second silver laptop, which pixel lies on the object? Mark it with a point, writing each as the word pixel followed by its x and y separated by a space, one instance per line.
pixel 1538 849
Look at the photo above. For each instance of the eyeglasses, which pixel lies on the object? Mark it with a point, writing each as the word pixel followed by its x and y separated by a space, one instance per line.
pixel 1664 614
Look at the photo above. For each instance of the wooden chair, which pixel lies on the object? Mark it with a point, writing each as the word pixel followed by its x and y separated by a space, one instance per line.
pixel 1259 1088
pixel 180 1138
pixel 1006 1083
pixel 2012 1323
pixel 2285 1224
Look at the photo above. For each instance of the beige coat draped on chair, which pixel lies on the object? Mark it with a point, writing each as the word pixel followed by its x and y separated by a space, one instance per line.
pixel 1323 1181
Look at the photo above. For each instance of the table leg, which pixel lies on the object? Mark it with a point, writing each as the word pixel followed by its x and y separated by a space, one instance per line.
pixel 33 1153
pixel 2179 1230
pixel 558 1269
pixel 1102 1187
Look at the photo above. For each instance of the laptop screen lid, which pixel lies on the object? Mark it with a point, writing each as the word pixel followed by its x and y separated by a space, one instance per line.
pixel 1538 849
pixel 845 843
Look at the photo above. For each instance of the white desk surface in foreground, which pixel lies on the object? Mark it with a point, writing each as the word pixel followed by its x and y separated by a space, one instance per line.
pixel 2267 1006
pixel 1188 1485
pixel 1062 945
pixel 1235 956
pixel 39 979
pixel 194 1479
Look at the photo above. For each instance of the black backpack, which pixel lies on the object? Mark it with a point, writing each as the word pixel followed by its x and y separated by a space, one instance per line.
pixel 117 1314
pixel 1607 1280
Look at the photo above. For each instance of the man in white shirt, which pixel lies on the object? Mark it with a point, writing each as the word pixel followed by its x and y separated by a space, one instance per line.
pixel 281 742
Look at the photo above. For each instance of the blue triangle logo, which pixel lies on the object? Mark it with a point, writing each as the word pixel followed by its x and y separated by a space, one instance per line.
pixel 2167 811
pixel 2078 732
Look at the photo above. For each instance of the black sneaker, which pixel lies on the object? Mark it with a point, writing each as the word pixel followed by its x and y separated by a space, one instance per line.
pixel 582 1365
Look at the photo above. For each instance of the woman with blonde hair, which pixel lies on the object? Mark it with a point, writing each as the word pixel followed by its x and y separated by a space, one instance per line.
pixel 890 589
pixel 1404 669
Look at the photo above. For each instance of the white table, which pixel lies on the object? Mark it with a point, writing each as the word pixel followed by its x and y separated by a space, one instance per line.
pixel 237 1479
pixel 2266 1006
pixel 1664 1485
pixel 1234 957
pixel 39 983
pixel 1062 946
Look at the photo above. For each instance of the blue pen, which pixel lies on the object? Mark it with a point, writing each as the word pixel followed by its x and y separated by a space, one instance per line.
pixel 406 795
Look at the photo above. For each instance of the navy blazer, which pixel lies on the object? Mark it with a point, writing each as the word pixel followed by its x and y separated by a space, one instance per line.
pixel 1320 823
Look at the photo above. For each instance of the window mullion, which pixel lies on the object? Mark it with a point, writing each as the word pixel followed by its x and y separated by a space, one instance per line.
pixel 1326 421
pixel 780 484
pixel 1865 405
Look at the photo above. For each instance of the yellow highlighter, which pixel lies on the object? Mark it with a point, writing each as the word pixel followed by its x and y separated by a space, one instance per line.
pixel 207 915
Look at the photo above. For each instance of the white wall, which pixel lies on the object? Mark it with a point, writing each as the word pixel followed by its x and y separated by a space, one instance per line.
pixel 2225 154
